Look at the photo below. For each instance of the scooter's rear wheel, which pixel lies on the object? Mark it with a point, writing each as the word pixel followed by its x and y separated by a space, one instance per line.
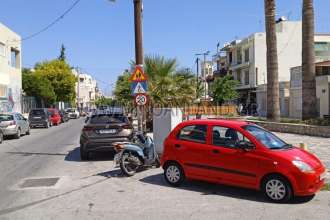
pixel 129 164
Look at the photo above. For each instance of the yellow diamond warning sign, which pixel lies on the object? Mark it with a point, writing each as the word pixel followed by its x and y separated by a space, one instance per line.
pixel 138 75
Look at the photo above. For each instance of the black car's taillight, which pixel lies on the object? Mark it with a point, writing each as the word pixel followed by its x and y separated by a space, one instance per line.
pixel 127 127
pixel 88 128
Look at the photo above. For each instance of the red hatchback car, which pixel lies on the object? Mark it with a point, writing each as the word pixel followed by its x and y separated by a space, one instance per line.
pixel 55 116
pixel 241 154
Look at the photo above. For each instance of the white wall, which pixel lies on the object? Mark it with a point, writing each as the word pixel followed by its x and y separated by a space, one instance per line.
pixel 164 120
pixel 10 77
pixel 322 93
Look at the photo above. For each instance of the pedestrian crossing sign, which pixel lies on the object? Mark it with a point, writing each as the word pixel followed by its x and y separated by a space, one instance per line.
pixel 138 75
pixel 139 87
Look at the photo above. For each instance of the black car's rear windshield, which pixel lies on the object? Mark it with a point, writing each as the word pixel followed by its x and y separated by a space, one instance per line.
pixel 106 119
pixel 37 112
pixel 4 117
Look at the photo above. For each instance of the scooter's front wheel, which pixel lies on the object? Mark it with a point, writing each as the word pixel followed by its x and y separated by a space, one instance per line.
pixel 129 164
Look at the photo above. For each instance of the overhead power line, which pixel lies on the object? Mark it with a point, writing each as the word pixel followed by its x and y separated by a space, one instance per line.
pixel 53 22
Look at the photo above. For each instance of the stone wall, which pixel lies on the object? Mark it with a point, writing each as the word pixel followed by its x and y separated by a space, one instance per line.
pixel 319 131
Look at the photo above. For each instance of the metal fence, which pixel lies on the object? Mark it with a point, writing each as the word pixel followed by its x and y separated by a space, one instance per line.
pixel 29 103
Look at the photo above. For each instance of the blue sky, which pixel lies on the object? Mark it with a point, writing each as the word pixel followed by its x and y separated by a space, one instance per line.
pixel 99 35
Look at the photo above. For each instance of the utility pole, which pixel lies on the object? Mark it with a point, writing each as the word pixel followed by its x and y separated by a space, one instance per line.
pixel 139 52
pixel 197 76
pixel 203 70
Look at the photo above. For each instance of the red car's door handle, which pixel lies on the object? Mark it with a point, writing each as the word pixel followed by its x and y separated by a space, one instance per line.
pixel 215 151
pixel 177 145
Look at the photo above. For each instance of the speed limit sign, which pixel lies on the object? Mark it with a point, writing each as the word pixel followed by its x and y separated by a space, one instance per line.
pixel 141 99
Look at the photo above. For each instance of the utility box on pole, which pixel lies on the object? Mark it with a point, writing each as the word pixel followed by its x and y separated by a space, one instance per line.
pixel 164 121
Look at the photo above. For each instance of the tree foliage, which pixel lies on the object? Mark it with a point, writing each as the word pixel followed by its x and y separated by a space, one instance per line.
pixel 104 101
pixel 167 86
pixel 223 89
pixel 38 86
pixel 123 90
pixel 59 74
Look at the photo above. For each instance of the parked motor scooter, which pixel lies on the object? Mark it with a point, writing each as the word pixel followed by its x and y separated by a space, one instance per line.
pixel 137 155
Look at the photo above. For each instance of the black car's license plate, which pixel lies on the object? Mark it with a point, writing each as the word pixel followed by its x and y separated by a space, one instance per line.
pixel 108 131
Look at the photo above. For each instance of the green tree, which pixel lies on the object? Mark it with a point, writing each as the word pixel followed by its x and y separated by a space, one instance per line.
pixel 59 74
pixel 167 86
pixel 38 86
pixel 123 89
pixel 103 101
pixel 223 89
pixel 62 55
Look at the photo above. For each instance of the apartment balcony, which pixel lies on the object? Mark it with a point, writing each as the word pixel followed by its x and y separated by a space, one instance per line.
pixel 220 73
pixel 239 65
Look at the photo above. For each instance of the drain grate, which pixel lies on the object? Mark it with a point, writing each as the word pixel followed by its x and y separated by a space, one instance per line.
pixel 40 182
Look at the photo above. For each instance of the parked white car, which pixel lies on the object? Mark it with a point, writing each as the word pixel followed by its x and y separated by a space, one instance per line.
pixel 73 113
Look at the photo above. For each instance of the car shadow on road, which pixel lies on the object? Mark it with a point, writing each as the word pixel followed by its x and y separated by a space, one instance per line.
pixel 207 189
pixel 74 155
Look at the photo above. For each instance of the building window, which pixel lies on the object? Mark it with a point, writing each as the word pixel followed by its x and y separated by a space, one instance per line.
pixel 81 80
pixel 15 58
pixel 2 49
pixel 239 56
pixel 238 75
pixel 230 57
pixel 322 49
pixel 246 77
pixel 3 91
pixel 247 55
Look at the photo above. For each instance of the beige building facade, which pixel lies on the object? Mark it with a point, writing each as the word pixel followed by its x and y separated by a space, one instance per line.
pixel 322 90
pixel 10 70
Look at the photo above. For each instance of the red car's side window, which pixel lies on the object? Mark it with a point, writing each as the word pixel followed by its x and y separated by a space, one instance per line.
pixel 193 133
pixel 226 137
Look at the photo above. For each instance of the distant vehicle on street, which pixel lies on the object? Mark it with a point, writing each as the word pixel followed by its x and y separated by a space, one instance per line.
pixel 241 154
pixel 55 116
pixel 1 135
pixel 73 113
pixel 14 124
pixel 64 116
pixel 101 130
pixel 40 117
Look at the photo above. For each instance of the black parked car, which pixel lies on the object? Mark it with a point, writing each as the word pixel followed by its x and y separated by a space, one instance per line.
pixel 1 135
pixel 101 130
pixel 40 117
pixel 64 116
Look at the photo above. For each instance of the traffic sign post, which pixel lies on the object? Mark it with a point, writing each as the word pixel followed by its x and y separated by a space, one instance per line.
pixel 141 99
pixel 139 88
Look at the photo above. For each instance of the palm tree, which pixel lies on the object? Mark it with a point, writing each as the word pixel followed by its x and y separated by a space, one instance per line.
pixel 308 61
pixel 273 102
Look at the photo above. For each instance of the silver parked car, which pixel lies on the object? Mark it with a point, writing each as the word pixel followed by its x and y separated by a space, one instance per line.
pixel 14 124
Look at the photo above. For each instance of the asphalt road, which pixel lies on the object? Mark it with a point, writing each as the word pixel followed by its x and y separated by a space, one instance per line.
pixel 95 190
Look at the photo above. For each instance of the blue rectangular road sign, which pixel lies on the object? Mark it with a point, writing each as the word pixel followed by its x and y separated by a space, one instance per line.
pixel 139 87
